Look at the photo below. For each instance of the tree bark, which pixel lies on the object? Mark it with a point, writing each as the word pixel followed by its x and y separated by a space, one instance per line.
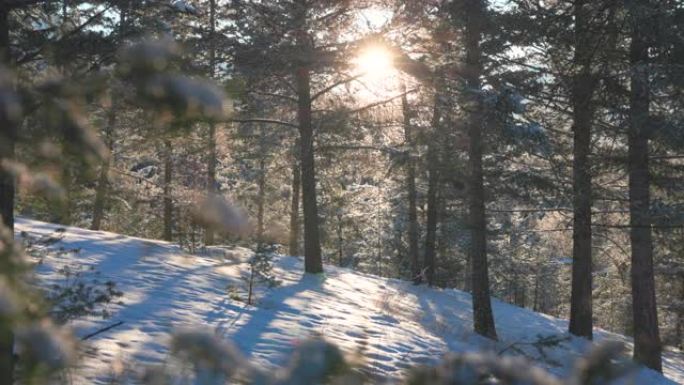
pixel 340 237
pixel 167 200
pixel 212 185
pixel 680 316
pixel 483 318
pixel 7 152
pixel 431 225
pixel 261 199
pixel 583 89
pixel 294 209
pixel 647 346
pixel 103 179
pixel 413 235
pixel 7 135
pixel 312 244
pixel 433 185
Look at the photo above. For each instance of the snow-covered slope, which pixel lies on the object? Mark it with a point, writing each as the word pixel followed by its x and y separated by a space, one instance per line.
pixel 391 323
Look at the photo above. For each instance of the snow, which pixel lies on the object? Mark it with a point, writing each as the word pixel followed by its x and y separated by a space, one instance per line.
pixel 184 7
pixel 392 324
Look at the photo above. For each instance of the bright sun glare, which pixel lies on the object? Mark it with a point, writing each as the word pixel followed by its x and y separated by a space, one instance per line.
pixel 375 64
pixel 377 75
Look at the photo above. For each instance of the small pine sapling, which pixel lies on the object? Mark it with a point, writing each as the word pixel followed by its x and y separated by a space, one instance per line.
pixel 261 269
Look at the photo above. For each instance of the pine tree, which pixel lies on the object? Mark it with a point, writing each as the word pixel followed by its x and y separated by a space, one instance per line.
pixel 482 309
pixel 647 348
pixel 583 87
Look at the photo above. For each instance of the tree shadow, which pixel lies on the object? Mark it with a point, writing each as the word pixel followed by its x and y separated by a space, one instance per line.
pixel 260 334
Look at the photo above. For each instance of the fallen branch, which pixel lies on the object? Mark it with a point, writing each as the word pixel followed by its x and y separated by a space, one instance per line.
pixel 104 329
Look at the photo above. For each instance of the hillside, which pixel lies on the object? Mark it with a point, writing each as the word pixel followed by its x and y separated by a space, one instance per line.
pixel 392 323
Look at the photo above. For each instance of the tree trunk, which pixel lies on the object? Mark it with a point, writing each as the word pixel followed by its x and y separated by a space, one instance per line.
pixel 483 318
pixel 433 166
pixel 212 185
pixel 294 209
pixel 647 347
pixel 413 235
pixel 431 219
pixel 312 243
pixel 261 200
pixel 680 316
pixel 340 239
pixel 103 180
pixel 7 135
pixel 583 89
pixel 168 202
pixel 7 144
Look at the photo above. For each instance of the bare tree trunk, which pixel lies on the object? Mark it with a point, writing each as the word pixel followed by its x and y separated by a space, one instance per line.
pixel 680 316
pixel 7 144
pixel 431 220
pixel 433 166
pixel 483 317
pixel 413 235
pixel 103 179
pixel 647 346
pixel 294 209
pixel 168 201
pixel 212 185
pixel 312 244
pixel 261 199
pixel 583 89
pixel 340 239
pixel 7 135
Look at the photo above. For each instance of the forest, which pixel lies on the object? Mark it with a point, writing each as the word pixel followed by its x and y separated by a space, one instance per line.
pixel 504 175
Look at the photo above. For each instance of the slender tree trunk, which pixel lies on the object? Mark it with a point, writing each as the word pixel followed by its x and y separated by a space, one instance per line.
pixel 413 235
pixel 294 209
pixel 536 306
pixel 103 179
pixel 7 144
pixel 261 199
pixel 647 347
pixel 7 135
pixel 340 240
pixel 433 166
pixel 468 274
pixel 168 201
pixel 583 88
pixel 431 220
pixel 483 317
pixel 212 185
pixel 680 316
pixel 312 244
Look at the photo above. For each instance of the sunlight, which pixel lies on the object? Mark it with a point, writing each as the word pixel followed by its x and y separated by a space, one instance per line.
pixel 377 75
pixel 375 63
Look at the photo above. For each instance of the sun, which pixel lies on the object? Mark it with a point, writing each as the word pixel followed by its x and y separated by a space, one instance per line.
pixel 375 64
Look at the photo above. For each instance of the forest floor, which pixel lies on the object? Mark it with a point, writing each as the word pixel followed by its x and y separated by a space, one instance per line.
pixel 392 324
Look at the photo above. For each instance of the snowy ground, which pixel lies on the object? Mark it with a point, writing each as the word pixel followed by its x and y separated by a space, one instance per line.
pixel 392 323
